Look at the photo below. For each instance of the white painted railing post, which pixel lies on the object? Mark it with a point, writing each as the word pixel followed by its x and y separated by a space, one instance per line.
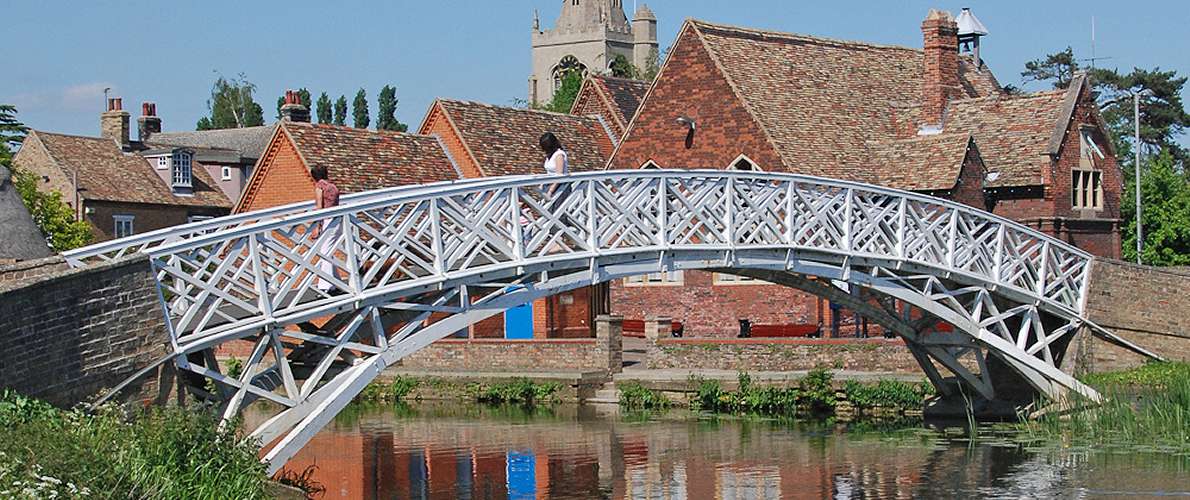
pixel 729 217
pixel 952 236
pixel 901 228
pixel 1042 277
pixel 998 267
pixel 847 219
pixel 262 289
pixel 592 224
pixel 436 237
pixel 514 218
pixel 350 237
pixel 662 211
pixel 790 189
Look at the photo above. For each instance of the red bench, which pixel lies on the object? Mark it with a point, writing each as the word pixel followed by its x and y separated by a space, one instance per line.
pixel 636 328
pixel 785 331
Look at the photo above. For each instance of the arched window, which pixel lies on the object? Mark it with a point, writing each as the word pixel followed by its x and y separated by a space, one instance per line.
pixel 564 67
pixel 742 162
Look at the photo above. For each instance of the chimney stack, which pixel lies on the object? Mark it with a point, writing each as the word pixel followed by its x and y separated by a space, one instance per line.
pixel 941 76
pixel 148 123
pixel 293 110
pixel 113 123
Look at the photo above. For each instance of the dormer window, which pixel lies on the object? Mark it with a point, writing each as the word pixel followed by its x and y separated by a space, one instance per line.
pixel 182 174
pixel 742 162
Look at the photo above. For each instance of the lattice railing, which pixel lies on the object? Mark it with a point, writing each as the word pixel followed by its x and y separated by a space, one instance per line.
pixel 234 277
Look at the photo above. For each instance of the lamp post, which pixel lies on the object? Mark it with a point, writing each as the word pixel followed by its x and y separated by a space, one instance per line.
pixel 1140 232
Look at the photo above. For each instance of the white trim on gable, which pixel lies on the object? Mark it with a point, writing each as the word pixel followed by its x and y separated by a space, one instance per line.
pixel 649 164
pixel 734 165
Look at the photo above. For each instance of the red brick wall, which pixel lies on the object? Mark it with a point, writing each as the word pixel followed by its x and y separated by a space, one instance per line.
pixel 591 101
pixel 690 85
pixel 146 217
pixel 526 355
pixel 709 310
pixel 969 189
pixel 281 178
pixel 437 124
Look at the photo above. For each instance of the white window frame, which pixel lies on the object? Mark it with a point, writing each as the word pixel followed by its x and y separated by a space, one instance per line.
pixel 182 173
pixel 226 173
pixel 120 220
pixel 663 278
pixel 735 280
pixel 744 157
pixel 163 162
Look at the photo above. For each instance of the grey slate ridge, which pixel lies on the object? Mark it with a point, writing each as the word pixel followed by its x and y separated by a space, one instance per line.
pixel 248 141
pixel 19 237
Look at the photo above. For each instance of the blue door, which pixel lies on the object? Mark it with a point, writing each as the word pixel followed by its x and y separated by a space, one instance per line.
pixel 521 475
pixel 518 322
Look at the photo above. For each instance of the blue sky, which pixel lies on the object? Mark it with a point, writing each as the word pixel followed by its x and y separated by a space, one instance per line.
pixel 61 55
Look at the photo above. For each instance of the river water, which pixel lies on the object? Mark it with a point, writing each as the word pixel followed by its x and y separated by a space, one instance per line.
pixel 448 451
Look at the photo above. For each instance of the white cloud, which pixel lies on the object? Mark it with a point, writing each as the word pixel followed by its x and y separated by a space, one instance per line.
pixel 84 96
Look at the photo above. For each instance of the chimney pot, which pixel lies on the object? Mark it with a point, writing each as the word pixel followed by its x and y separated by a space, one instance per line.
pixel 148 123
pixel 293 110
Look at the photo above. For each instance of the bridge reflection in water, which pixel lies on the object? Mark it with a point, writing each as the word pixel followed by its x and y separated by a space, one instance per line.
pixel 478 453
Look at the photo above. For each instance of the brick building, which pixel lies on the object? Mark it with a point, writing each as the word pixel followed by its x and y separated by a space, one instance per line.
pixel 615 100
pixel 931 120
pixel 489 140
pixel 122 187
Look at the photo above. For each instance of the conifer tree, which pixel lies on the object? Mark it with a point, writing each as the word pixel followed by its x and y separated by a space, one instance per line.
pixel 341 111
pixel 324 109
pixel 359 110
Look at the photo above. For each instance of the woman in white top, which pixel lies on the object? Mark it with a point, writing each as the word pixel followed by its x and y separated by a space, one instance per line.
pixel 556 160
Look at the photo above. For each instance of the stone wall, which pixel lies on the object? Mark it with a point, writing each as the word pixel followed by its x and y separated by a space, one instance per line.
pixel 598 354
pixel 873 354
pixel 19 273
pixel 1149 306
pixel 70 333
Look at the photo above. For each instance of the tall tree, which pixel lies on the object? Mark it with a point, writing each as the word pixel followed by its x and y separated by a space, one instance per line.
pixel 1057 68
pixel 341 111
pixel 566 94
pixel 622 68
pixel 652 65
pixel 1166 214
pixel 232 105
pixel 359 110
pixel 324 109
pixel 12 131
pixel 386 118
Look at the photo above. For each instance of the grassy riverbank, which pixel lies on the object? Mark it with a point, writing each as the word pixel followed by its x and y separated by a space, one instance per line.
pixel 1147 409
pixel 517 390
pixel 815 395
pixel 160 453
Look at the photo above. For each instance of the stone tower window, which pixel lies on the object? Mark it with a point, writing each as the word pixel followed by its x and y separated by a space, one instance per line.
pixel 564 67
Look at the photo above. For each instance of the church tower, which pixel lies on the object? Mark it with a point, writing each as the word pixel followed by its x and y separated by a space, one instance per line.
pixel 587 37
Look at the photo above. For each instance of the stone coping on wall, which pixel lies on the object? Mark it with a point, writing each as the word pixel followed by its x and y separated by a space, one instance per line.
pixel 778 341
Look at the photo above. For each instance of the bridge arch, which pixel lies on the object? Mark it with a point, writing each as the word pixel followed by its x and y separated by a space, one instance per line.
pixel 394 272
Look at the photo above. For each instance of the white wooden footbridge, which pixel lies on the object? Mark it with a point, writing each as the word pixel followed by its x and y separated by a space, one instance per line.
pixel 379 265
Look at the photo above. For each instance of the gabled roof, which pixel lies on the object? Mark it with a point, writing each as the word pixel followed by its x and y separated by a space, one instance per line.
pixel 249 142
pixel 622 94
pixel 364 159
pixel 107 173
pixel 1013 133
pixel 923 163
pixel 820 100
pixel 22 239
pixel 503 140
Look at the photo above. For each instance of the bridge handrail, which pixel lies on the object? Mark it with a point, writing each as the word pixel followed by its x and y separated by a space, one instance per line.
pixel 1032 251
pixel 114 249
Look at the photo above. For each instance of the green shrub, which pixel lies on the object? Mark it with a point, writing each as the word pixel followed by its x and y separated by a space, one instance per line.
pixel 393 391
pixel 518 390
pixel 635 396
pixel 887 394
pixel 155 453
pixel 816 392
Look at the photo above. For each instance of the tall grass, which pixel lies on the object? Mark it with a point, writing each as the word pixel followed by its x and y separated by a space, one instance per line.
pixel 1148 407
pixel 157 453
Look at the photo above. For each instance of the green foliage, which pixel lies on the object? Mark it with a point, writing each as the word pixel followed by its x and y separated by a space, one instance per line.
pixel 12 131
pixel 341 111
pixel 1165 194
pixel 635 396
pixel 1147 408
pixel 519 391
pixel 566 94
pixel 887 394
pixel 386 118
pixel 158 453
pixel 622 68
pixel 817 393
pixel 232 105
pixel 53 216
pixel 1058 69
pixel 235 367
pixel 393 391
pixel 324 109
pixel 775 401
pixel 359 110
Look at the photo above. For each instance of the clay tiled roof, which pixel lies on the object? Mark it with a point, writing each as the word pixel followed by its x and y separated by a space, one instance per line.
pixel 249 142
pixel 363 159
pixel 819 100
pixel 925 163
pixel 1013 132
pixel 503 140
pixel 625 94
pixel 109 174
